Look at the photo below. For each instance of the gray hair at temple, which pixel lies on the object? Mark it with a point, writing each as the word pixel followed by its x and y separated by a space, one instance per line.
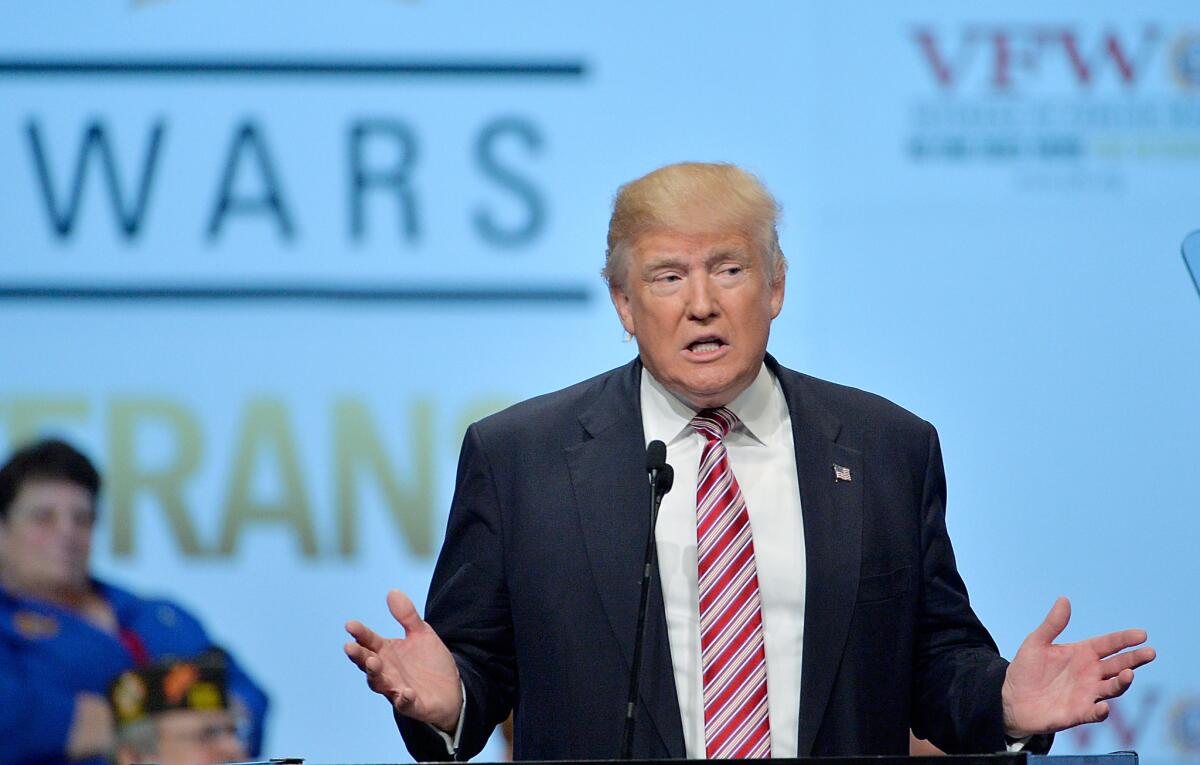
pixel 693 198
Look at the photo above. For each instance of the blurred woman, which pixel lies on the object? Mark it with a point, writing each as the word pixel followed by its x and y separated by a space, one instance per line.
pixel 66 636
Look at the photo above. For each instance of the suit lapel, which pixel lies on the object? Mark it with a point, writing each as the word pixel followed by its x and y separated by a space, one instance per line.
pixel 832 510
pixel 612 494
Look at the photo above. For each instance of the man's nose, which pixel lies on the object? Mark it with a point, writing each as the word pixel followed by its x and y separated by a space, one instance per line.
pixel 64 523
pixel 702 302
pixel 71 525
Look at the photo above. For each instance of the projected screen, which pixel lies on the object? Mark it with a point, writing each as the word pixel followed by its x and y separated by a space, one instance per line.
pixel 265 262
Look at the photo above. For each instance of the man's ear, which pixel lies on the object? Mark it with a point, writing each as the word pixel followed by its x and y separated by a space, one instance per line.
pixel 621 302
pixel 777 290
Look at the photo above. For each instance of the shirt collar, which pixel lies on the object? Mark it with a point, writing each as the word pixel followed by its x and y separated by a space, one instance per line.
pixel 761 408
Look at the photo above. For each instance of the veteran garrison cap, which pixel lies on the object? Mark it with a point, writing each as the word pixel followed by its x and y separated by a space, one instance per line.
pixel 196 683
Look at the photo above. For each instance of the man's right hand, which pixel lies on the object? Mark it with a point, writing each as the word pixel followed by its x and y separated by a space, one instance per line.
pixel 416 673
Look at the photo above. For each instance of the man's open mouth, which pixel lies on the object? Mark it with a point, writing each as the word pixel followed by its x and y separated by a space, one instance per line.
pixel 706 345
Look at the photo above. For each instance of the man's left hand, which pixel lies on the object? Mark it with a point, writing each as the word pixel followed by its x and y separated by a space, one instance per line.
pixel 1051 687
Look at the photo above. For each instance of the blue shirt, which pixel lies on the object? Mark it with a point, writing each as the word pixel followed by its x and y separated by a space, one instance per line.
pixel 48 654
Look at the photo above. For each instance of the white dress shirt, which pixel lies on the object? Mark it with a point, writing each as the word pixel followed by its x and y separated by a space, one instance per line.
pixel 763 460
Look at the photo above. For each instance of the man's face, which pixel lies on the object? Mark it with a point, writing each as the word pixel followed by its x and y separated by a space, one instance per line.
pixel 700 306
pixel 187 737
pixel 47 538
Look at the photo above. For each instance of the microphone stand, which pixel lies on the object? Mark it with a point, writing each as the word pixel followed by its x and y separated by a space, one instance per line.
pixel 661 478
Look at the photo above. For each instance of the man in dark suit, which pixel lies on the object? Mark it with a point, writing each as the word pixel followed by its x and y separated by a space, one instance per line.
pixel 809 602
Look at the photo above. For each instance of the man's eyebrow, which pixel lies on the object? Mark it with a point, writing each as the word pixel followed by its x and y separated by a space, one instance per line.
pixel 663 261
pixel 668 260
pixel 728 253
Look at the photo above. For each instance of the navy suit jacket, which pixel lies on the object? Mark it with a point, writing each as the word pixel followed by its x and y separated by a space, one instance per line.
pixel 536 588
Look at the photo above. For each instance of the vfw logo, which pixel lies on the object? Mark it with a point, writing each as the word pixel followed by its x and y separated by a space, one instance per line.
pixel 1017 58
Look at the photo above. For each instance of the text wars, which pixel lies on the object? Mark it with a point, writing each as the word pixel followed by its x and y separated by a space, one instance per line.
pixel 86 173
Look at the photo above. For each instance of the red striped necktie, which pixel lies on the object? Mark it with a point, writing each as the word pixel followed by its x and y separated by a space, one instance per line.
pixel 734 659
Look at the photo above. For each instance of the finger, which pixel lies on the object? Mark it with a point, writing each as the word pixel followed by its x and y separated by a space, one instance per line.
pixel 359 655
pixel 404 700
pixel 1099 712
pixel 1115 686
pixel 1112 667
pixel 1106 645
pixel 367 661
pixel 405 612
pixel 365 636
pixel 1054 623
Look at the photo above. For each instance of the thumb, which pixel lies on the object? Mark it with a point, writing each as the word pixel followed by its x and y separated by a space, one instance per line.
pixel 405 612
pixel 1054 623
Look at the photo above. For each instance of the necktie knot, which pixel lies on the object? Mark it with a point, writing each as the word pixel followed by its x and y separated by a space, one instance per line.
pixel 714 424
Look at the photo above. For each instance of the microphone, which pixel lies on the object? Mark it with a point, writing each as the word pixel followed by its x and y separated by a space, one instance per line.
pixel 663 482
pixel 656 457
pixel 661 476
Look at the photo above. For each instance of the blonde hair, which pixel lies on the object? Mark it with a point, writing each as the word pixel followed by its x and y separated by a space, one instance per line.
pixel 692 198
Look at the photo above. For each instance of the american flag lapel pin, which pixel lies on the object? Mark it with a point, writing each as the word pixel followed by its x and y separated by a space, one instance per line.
pixel 841 473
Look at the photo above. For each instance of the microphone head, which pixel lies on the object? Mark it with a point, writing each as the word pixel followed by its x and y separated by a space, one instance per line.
pixel 664 480
pixel 656 456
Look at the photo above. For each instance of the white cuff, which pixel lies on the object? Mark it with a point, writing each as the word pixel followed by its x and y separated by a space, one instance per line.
pixel 452 743
pixel 1014 744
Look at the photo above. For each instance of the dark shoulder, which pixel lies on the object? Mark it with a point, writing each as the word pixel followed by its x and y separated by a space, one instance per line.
pixel 553 415
pixel 863 417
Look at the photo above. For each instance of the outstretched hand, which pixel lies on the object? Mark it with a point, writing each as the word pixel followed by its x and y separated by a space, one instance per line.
pixel 415 673
pixel 1051 687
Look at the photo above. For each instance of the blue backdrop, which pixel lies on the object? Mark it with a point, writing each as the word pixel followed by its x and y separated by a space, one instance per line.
pixel 267 260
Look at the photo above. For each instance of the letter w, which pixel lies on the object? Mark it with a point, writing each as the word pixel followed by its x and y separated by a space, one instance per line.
pixel 63 214
pixel 1128 67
